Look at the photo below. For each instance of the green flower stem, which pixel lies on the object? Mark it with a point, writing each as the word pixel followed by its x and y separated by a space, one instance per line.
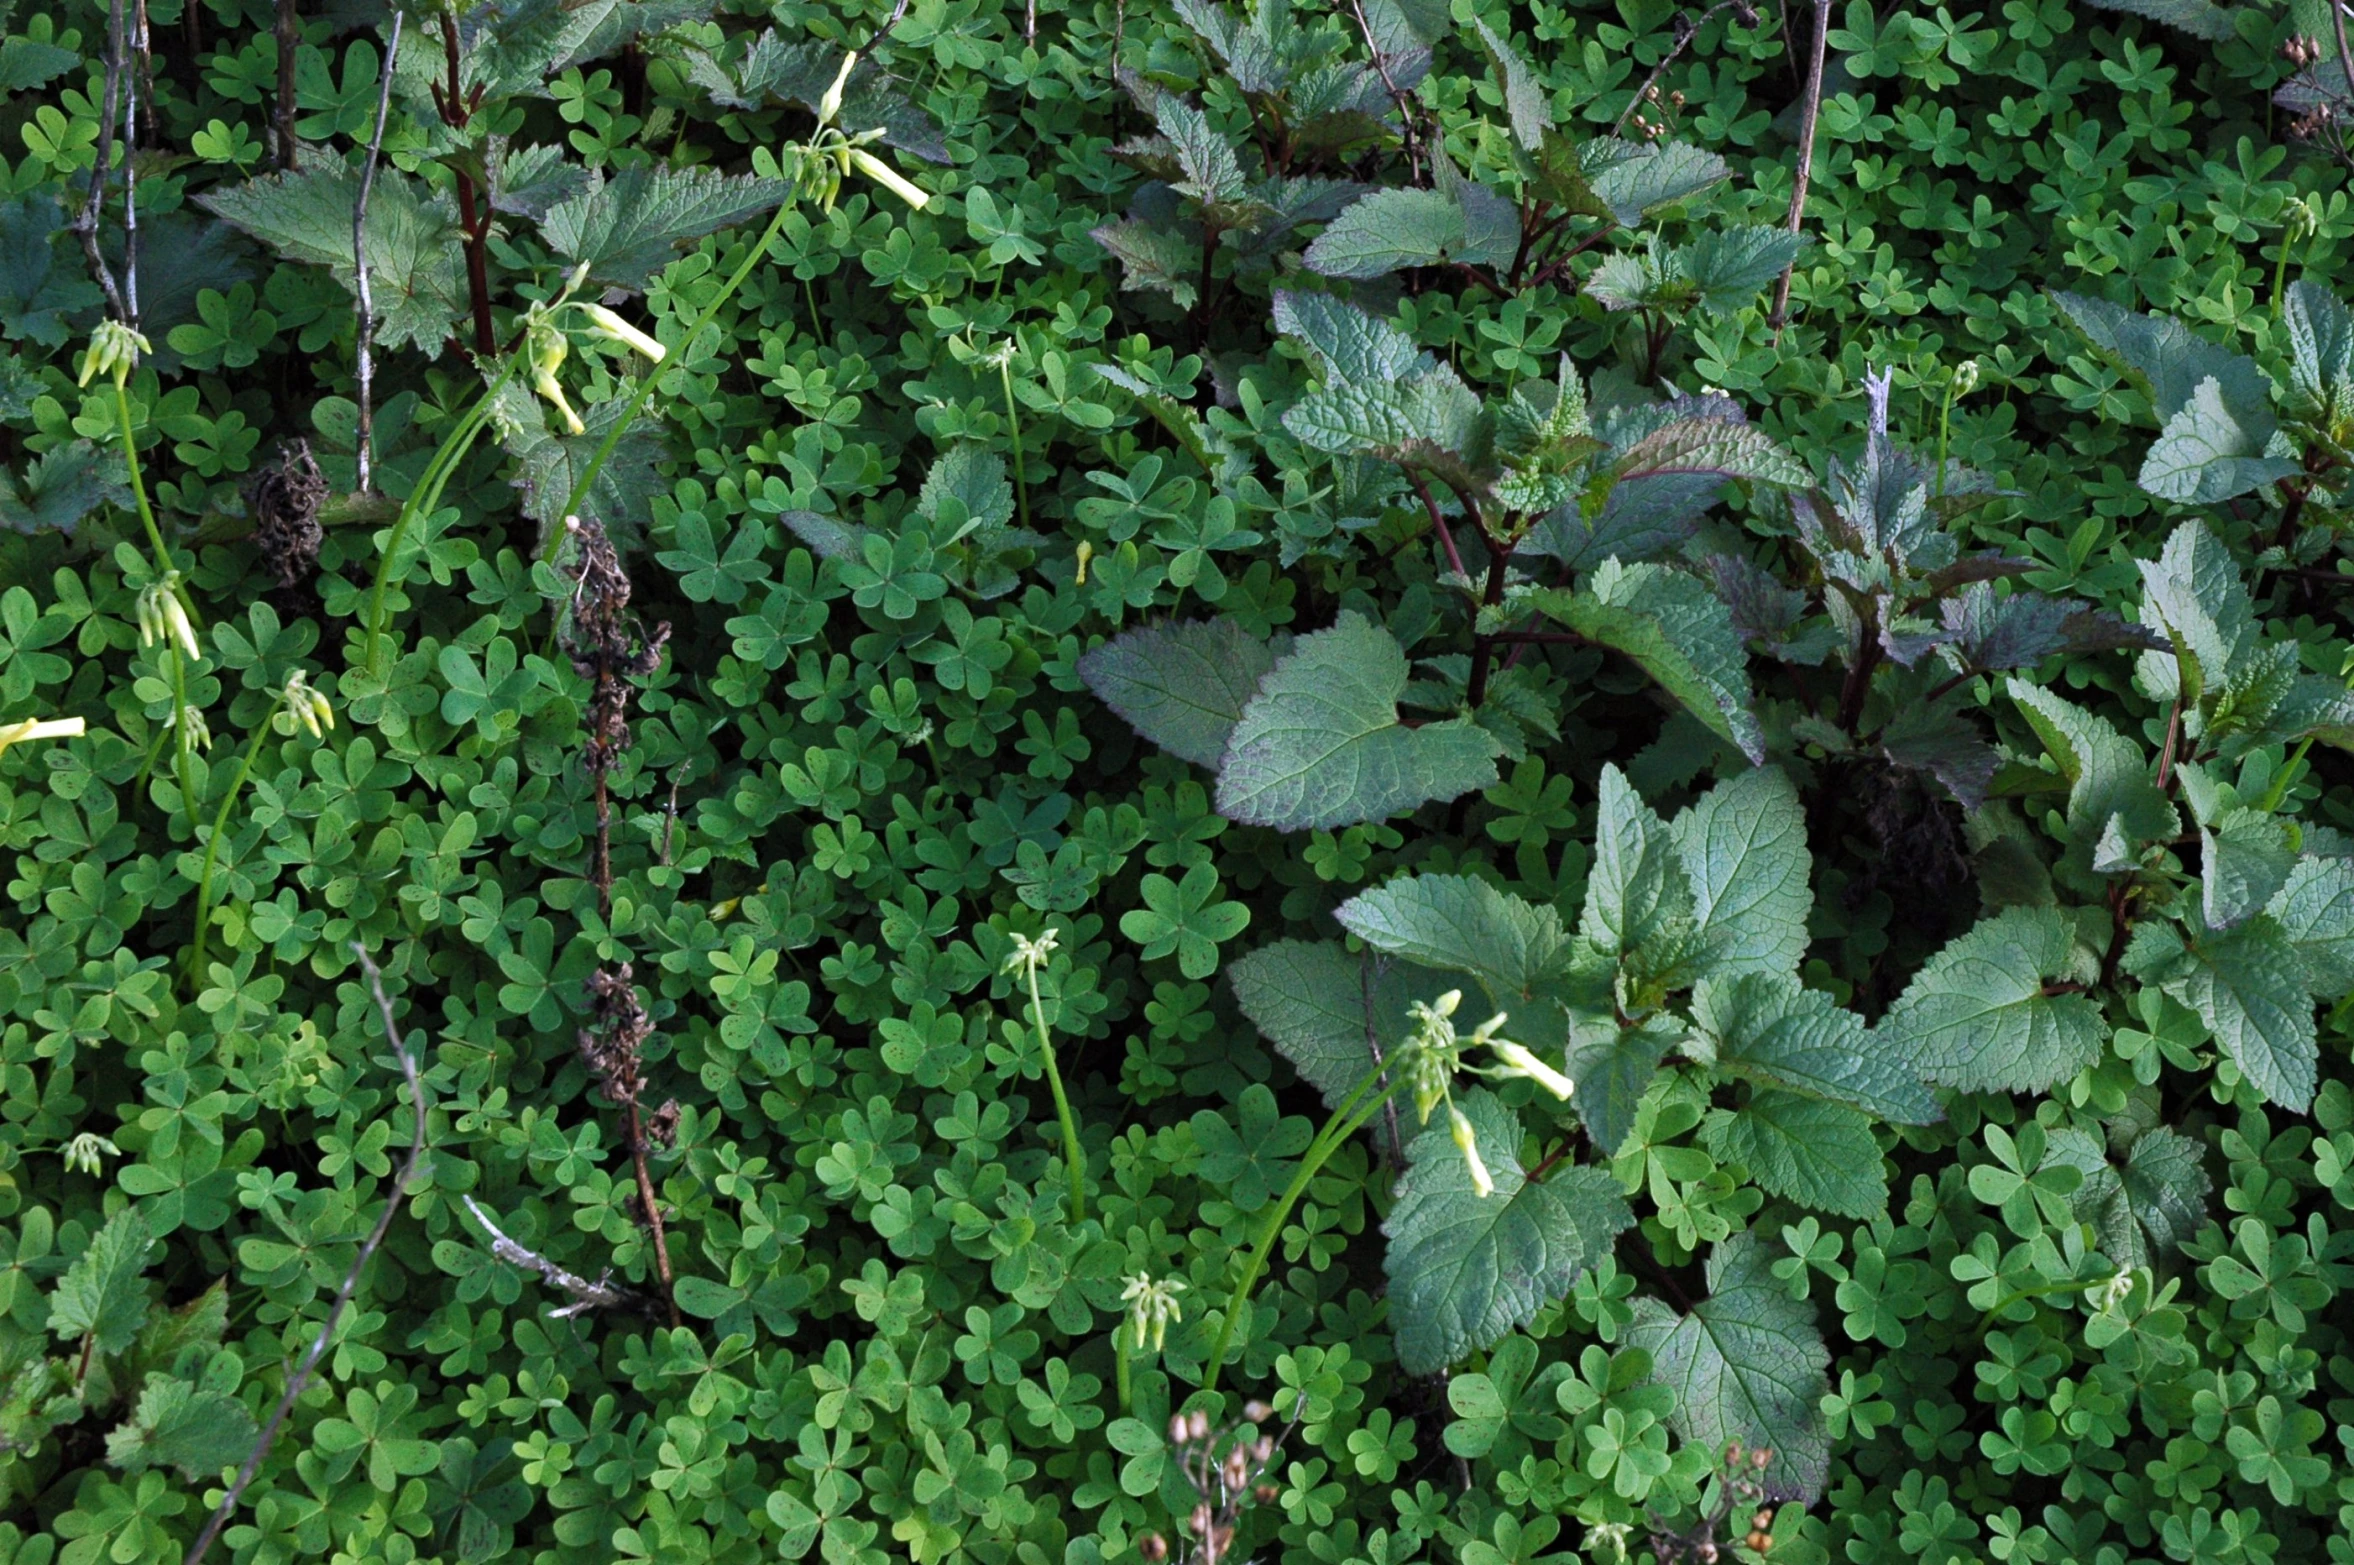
pixel 1072 1156
pixel 427 495
pixel 646 381
pixel 164 569
pixel 1120 1367
pixel 212 848
pixel 1005 376
pixel 163 556
pixel 1944 420
pixel 1345 1122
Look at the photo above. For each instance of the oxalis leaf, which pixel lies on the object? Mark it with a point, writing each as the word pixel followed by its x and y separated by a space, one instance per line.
pixel 1980 1015
pixel 1464 1269
pixel 1321 746
pixel 1182 685
pixel 1746 1364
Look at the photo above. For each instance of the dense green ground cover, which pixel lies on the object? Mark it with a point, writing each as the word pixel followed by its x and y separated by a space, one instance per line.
pixel 1052 689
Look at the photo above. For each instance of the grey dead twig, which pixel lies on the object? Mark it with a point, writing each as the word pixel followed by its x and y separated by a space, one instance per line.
pixel 297 1382
pixel 366 362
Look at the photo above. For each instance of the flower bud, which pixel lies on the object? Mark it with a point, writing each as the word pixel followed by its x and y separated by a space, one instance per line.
pixel 831 104
pixel 114 350
pixel 613 326
pixel 1965 377
pixel 1467 1142
pixel 190 720
pixel 85 1152
pixel 2304 219
pixel 889 178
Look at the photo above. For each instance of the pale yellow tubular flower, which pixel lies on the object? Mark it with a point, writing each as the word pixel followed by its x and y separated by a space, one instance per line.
pixel 85 1152
pixel 546 384
pixel 1030 955
pixel 1467 1142
pixel 39 728
pixel 831 104
pixel 889 178
pixel 1519 1060
pixel 177 624
pixel 613 326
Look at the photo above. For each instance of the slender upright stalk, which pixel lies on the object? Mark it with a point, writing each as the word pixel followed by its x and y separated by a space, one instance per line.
pixel 1074 1160
pixel 1345 1122
pixel 1013 417
pixel 212 847
pixel 289 34
pixel 164 568
pixel 427 495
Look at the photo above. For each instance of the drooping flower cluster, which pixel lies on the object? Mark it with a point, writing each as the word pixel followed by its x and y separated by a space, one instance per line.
pixel 1433 1057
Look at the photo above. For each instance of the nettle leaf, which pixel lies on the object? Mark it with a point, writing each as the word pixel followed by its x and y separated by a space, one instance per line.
pixel 2163 357
pixel 1466 1269
pixel 1524 95
pixel 40 284
pixel 2210 451
pixel 2108 776
pixel 1677 630
pixel 197 1429
pixel 1212 175
pixel 1321 746
pixel 2199 18
pixel 61 486
pixel 1992 633
pixel 1389 231
pixel 1460 924
pixel 415 263
pixel 1980 1015
pixel 627 228
pixel 2321 343
pixel 1638 886
pixel 2248 985
pixel 2145 1207
pixel 102 1296
pixel 1350 345
pixel 1634 179
pixel 1319 1005
pixel 1182 685
pixel 2194 590
pixel 1726 267
pixel 2245 858
pixel 1613 1067
pixel 1815 1153
pixel 2315 911
pixel 1769 1030
pixel 1747 1363
pixel 1714 448
pixel 1743 843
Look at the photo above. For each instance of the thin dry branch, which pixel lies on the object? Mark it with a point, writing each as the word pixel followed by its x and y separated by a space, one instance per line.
pixel 366 364
pixel 301 1378
pixel 1806 160
pixel 1381 67
pixel 85 224
pixel 289 35
pixel 585 1295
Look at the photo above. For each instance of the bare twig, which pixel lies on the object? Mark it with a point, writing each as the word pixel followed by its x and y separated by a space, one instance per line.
pixel 136 41
pixel 301 1378
pixel 1686 31
pixel 289 34
pixel 586 1295
pixel 1806 159
pixel 1381 66
pixel 86 222
pixel 359 260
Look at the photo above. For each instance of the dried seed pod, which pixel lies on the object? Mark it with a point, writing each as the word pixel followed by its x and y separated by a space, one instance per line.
pixel 1180 1429
pixel 662 1128
pixel 285 499
pixel 1265 1493
pixel 1153 1547
pixel 1256 1412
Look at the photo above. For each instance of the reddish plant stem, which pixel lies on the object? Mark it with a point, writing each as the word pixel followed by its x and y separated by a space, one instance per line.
pixel 1483 647
pixel 457 107
pixel 289 35
pixel 653 1208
